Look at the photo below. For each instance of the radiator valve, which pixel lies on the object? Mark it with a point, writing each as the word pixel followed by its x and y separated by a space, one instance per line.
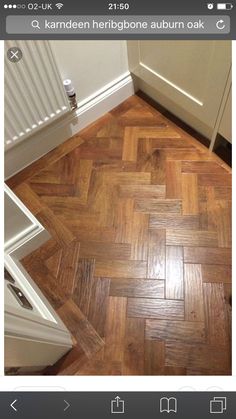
pixel 70 91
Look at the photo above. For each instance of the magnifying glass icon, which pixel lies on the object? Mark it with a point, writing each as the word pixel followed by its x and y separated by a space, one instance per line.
pixel 35 24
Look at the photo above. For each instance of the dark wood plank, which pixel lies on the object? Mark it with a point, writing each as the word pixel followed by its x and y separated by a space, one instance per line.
pixel 207 255
pixel 158 206
pixel 174 273
pixel 81 329
pixel 133 363
pixel 155 308
pixel 174 221
pixel 171 330
pixel 129 287
pixel 156 255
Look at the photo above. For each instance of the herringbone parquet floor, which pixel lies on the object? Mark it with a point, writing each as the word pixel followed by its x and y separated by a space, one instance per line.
pixel 138 266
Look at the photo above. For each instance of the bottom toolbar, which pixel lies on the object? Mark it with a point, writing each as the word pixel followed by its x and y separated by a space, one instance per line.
pixel 132 405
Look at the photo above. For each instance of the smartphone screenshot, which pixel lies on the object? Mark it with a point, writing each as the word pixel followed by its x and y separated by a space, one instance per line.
pixel 117 157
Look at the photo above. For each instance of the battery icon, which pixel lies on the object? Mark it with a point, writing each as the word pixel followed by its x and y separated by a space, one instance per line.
pixel 225 6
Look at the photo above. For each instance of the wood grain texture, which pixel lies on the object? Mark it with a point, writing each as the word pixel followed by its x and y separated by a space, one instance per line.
pixel 217 273
pixel 194 309
pixel 190 194
pixel 197 356
pixel 174 273
pixel 191 238
pixel 215 313
pixel 158 206
pixel 134 347
pixel 155 308
pixel 156 254
pixel 115 328
pixel 174 221
pixel 173 179
pixel 81 329
pixel 187 331
pixel 139 262
pixel 209 255
pixel 130 287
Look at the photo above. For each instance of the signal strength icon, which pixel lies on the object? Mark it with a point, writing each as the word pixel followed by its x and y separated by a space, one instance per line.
pixel 59 5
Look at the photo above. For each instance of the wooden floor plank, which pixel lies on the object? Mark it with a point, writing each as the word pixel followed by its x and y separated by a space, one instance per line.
pixel 121 268
pixel 217 273
pixel 115 328
pixel 139 236
pixel 156 255
pixel 146 288
pixel 215 314
pixel 139 261
pixel 174 221
pixel 130 146
pixel 174 273
pixel 158 206
pixel 83 284
pixel 154 357
pixel 155 308
pixel 197 356
pixel 143 191
pixel 194 308
pixel 190 194
pixel 213 179
pixel 191 238
pixel 74 319
pixel 201 167
pixel 133 363
pixel 207 255
pixel 173 180
pixel 100 250
pixel 189 332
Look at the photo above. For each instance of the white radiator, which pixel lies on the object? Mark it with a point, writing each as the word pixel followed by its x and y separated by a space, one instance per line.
pixel 34 93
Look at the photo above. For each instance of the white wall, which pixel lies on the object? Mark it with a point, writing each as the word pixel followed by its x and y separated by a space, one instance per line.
pixel 90 64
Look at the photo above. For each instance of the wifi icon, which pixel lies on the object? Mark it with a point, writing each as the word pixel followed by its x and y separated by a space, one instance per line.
pixel 59 5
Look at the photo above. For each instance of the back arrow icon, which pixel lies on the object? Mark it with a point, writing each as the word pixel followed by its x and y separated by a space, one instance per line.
pixel 67 405
pixel 12 405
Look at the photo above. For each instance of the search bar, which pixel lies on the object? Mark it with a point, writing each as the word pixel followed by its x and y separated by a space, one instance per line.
pixel 116 25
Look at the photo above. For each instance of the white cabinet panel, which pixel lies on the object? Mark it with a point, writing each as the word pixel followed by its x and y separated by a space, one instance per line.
pixel 187 77
pixel 225 128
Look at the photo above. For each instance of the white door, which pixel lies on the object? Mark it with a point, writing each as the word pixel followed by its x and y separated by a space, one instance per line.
pixel 186 77
pixel 35 336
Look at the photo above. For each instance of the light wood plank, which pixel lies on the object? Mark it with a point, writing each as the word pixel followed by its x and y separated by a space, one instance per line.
pixel 190 194
pixel 120 268
pixel 130 145
pixel 173 179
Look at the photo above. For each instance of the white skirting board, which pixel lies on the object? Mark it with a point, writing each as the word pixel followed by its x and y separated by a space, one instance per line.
pixel 95 106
